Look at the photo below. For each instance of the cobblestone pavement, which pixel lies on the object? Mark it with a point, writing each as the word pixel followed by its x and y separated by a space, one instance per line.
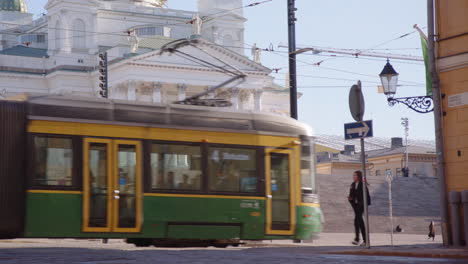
pixel 70 251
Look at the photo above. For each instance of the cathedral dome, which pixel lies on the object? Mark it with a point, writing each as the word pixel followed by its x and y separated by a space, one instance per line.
pixel 13 6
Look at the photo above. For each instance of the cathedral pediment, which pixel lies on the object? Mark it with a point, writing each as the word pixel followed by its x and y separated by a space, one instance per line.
pixel 201 54
pixel 230 16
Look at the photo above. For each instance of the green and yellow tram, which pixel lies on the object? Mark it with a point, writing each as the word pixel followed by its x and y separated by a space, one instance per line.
pixel 92 168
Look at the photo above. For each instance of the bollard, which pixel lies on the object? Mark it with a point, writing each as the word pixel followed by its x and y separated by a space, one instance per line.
pixel 464 197
pixel 454 200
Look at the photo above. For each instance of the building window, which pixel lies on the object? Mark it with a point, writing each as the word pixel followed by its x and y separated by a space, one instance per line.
pixel 176 167
pixel 232 170
pixel 150 31
pixel 399 173
pixel 377 173
pixel 33 38
pixel 40 38
pixel 53 161
pixel 79 34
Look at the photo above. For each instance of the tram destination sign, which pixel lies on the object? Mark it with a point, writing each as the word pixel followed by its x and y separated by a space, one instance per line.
pixel 358 130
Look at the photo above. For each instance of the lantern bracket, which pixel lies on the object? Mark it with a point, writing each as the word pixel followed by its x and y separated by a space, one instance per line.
pixel 420 104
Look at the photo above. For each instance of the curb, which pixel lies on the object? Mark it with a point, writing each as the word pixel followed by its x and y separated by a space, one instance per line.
pixel 399 254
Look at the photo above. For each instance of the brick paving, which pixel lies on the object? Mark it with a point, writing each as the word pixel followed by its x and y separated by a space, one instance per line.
pixel 324 251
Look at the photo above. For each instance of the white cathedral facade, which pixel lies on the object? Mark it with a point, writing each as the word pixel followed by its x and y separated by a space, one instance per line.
pixel 57 53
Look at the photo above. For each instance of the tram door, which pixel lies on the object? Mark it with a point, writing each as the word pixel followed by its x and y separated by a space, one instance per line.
pixel 112 185
pixel 280 207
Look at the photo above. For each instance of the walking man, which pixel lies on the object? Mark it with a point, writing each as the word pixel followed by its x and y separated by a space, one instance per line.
pixel 356 199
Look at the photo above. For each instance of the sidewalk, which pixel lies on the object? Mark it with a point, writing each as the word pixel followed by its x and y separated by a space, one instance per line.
pixel 405 245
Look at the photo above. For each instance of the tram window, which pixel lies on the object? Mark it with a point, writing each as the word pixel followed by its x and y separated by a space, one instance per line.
pixel 232 170
pixel 176 167
pixel 308 184
pixel 53 161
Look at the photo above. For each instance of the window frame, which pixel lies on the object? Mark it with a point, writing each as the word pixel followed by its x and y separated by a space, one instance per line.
pixel 147 177
pixel 260 169
pixel 77 160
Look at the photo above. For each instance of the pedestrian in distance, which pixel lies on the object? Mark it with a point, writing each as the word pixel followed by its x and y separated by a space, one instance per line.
pixel 431 231
pixel 356 199
pixel 398 229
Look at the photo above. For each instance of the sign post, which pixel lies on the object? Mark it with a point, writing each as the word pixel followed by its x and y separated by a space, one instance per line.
pixel 361 129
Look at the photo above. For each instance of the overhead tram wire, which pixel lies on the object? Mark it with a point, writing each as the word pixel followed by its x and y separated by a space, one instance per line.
pixel 315 64
pixel 394 39
pixel 123 34
pixel 336 86
pixel 338 70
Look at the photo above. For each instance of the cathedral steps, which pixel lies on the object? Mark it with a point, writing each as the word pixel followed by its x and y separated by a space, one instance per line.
pixel 415 204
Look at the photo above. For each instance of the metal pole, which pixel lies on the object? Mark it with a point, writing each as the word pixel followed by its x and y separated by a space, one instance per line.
pixel 436 95
pixel 390 204
pixel 364 191
pixel 292 57
pixel 405 123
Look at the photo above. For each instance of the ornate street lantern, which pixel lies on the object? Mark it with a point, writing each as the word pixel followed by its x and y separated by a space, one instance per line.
pixel 389 78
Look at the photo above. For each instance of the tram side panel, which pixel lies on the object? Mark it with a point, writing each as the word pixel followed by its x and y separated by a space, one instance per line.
pixel 203 218
pixel 12 168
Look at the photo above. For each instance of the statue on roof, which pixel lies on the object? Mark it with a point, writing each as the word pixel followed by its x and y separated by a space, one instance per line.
pixel 133 40
pixel 197 24
pixel 151 3
pixel 256 53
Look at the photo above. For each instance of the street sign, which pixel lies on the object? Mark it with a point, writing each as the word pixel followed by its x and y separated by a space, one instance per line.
pixel 358 130
pixel 356 102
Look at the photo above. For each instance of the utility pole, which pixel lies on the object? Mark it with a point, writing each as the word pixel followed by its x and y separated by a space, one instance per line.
pixel 292 57
pixel 405 123
pixel 437 97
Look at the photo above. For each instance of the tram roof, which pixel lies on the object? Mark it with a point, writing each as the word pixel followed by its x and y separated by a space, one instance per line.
pixel 120 112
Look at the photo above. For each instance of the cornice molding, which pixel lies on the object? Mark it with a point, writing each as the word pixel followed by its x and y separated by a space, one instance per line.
pixel 452 63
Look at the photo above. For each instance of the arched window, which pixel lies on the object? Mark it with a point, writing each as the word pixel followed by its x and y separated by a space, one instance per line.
pixel 79 34
pixel 58 35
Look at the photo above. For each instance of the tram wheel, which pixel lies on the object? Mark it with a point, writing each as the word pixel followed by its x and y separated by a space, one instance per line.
pixel 218 245
pixel 140 242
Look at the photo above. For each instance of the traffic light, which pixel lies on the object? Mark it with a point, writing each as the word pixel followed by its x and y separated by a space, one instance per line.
pixel 103 75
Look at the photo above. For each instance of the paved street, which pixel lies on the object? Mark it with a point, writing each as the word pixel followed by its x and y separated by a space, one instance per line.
pixel 116 252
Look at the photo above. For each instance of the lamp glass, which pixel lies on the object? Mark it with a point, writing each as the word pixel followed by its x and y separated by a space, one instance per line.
pixel 389 83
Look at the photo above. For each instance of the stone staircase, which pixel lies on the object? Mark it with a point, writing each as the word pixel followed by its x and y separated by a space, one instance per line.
pixel 415 204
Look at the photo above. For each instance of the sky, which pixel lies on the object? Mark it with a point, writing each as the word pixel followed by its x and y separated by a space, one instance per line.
pixel 346 24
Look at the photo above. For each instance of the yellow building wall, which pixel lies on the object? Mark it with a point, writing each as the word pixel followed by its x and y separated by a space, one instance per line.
pixel 452 26
pixel 452 49
pixel 455 130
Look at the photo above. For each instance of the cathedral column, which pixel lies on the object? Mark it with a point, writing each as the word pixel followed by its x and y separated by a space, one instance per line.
pixel 258 100
pixel 67 33
pixel 131 92
pixel 211 95
pixel 157 96
pixel 182 92
pixel 235 97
